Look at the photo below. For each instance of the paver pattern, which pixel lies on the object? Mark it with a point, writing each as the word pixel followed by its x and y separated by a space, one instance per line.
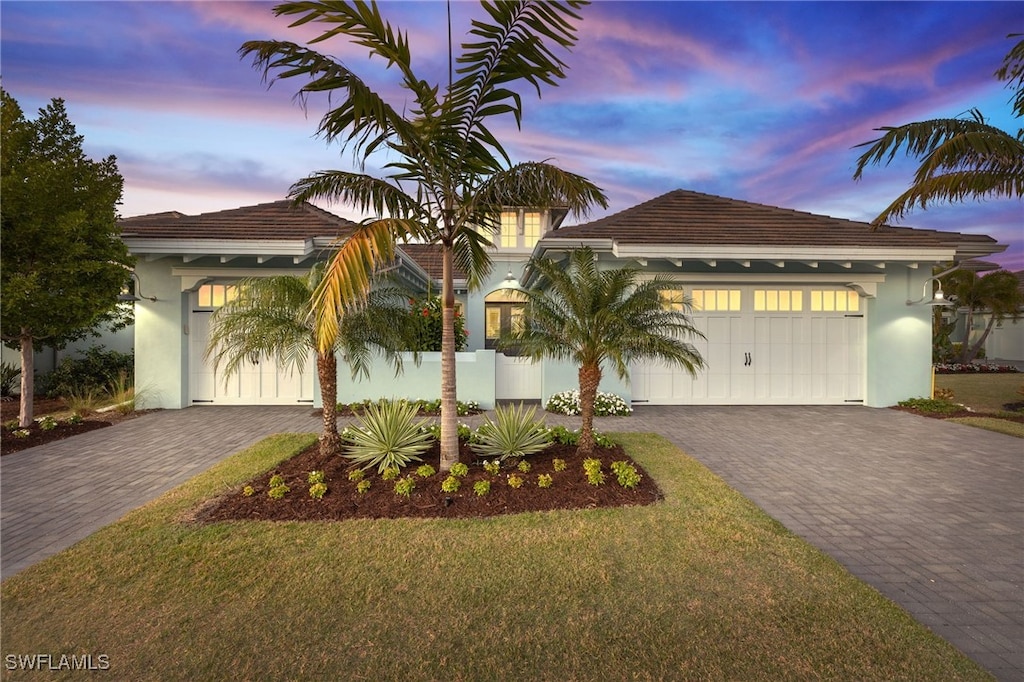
pixel 930 513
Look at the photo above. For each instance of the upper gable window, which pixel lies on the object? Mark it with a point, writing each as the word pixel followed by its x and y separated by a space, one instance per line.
pixel 520 229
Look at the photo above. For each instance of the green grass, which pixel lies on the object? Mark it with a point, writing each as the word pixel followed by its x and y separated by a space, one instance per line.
pixel 991 424
pixel 701 586
pixel 983 392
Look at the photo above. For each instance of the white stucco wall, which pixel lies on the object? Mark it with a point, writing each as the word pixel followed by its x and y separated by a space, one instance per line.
pixel 474 379
pixel 899 339
pixel 161 342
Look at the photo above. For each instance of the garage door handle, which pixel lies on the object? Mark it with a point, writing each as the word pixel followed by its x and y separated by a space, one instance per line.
pixel 747 360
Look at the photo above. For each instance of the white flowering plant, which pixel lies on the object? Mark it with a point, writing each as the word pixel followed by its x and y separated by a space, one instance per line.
pixel 605 404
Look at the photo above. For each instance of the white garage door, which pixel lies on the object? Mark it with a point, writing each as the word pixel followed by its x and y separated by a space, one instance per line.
pixel 255 383
pixel 797 346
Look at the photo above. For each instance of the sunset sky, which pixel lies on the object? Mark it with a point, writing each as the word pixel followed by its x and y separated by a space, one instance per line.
pixel 756 101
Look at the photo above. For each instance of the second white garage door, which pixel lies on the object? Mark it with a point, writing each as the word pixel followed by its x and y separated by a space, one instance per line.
pixel 766 346
pixel 255 383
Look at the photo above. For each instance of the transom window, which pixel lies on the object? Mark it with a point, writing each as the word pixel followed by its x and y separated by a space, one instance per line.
pixel 216 295
pixel 716 299
pixel 778 300
pixel 826 301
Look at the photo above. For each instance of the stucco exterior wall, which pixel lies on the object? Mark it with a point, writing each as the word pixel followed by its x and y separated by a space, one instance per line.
pixel 161 341
pixel 474 374
pixel 899 339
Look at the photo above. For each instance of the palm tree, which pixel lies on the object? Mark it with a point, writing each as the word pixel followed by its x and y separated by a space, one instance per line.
pixel 997 293
pixel 446 177
pixel 272 317
pixel 961 158
pixel 592 316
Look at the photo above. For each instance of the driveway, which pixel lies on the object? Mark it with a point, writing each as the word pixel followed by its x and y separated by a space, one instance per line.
pixel 930 513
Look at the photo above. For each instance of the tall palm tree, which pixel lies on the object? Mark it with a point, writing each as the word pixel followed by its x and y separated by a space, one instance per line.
pixel 996 293
pixel 272 317
pixel 446 176
pixel 591 316
pixel 961 158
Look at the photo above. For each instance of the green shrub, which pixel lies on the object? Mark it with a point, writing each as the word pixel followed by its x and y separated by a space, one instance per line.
pixel 592 467
pixel 524 466
pixel 426 471
pixel 558 464
pixel 513 433
pixel 85 401
pixel 9 374
pixel 390 473
pixel 387 435
pixel 626 474
pixel 934 406
pixel 315 477
pixel 515 481
pixel 277 492
pixel 75 418
pixel 563 436
pixel 451 484
pixel 248 491
pixel 492 467
pixel 426 316
pixel 544 480
pixel 481 488
pixel 356 475
pixel 405 486
pixel 94 370
pixel 47 423
pixel 362 486
pixel 318 490
pixel 459 469
pixel 10 425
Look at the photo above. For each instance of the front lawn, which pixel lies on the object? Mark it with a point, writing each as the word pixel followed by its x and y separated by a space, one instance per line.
pixel 983 392
pixel 702 585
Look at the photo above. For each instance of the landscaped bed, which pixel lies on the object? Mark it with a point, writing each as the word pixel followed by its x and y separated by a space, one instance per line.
pixel 509 488
pixel 700 585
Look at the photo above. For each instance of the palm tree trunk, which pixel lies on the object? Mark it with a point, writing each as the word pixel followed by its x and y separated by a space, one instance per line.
pixel 449 408
pixel 590 379
pixel 965 347
pixel 972 352
pixel 327 371
pixel 26 413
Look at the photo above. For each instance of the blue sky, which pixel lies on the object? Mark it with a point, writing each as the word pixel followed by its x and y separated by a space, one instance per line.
pixel 757 101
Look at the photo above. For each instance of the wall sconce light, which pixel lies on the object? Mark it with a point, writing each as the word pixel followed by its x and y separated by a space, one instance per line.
pixel 132 291
pixel 935 298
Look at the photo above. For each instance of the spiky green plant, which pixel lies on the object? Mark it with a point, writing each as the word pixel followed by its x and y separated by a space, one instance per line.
pixel 388 435
pixel 513 433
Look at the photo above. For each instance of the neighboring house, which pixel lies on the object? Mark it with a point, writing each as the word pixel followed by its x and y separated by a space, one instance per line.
pixel 797 308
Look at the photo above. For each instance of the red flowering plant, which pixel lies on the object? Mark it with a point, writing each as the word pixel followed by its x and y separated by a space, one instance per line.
pixel 426 319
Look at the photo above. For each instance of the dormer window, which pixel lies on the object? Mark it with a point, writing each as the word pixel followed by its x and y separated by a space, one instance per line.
pixel 520 229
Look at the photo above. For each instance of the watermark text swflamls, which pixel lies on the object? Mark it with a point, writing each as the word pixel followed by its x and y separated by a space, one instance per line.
pixel 57 662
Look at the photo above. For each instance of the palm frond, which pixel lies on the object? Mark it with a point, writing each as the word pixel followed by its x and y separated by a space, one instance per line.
pixel 348 276
pixel 1012 71
pixel 960 158
pixel 540 185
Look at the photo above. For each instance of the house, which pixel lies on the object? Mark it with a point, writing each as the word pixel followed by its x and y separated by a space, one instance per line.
pixel 797 308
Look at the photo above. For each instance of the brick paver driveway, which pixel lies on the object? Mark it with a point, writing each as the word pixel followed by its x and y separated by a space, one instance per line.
pixel 929 513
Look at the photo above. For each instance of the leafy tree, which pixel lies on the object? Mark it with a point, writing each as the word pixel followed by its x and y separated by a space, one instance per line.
pixel 63 260
pixel 446 176
pixel 996 294
pixel 591 316
pixel 961 158
pixel 272 317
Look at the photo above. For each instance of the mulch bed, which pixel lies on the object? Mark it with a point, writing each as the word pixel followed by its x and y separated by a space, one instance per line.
pixel 570 490
pixel 9 409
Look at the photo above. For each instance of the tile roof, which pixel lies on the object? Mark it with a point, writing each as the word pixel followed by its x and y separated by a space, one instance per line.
pixel 277 220
pixel 683 217
pixel 428 257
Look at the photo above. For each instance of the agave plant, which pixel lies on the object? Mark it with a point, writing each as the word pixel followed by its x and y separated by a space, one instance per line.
pixel 387 435
pixel 513 433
